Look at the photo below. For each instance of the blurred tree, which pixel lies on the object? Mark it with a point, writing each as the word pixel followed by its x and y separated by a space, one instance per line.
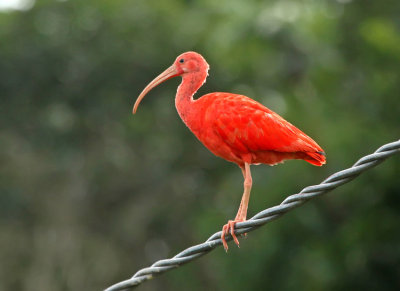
pixel 88 194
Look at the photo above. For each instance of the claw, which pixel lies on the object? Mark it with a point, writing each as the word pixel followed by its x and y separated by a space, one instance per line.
pixel 224 232
pixel 229 228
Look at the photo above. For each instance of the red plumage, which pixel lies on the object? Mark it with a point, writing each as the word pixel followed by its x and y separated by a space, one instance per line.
pixel 239 129
pixel 234 127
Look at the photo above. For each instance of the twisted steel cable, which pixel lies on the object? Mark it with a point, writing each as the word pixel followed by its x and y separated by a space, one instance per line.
pixel 263 217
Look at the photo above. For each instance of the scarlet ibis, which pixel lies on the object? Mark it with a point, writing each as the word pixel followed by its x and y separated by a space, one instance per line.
pixel 234 127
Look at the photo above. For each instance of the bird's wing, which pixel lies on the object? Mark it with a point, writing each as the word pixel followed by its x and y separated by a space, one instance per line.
pixel 245 124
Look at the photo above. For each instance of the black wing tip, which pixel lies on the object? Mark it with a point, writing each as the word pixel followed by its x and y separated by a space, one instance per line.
pixel 321 153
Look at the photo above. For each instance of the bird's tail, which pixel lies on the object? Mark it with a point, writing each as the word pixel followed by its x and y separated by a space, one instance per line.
pixel 315 158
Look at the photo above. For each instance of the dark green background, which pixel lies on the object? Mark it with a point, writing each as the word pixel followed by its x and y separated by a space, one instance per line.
pixel 90 193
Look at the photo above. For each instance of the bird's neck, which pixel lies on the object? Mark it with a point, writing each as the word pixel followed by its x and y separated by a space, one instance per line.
pixel 184 102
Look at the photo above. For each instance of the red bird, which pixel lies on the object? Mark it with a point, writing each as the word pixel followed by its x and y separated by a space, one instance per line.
pixel 234 127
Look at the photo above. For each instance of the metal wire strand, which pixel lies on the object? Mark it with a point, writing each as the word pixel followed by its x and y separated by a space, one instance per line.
pixel 263 217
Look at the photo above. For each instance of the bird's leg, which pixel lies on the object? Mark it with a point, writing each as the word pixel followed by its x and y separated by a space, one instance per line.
pixel 241 202
pixel 242 212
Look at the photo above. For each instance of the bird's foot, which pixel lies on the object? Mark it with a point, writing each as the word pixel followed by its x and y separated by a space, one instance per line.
pixel 229 228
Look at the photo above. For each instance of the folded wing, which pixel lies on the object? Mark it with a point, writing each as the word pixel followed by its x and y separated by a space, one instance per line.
pixel 248 126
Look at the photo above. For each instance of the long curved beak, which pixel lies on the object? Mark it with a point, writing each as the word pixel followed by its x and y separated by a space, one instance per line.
pixel 164 76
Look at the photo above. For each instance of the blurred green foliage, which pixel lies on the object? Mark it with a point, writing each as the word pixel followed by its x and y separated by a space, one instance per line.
pixel 89 193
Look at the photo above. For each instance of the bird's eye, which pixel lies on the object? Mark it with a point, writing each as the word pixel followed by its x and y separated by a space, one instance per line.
pixel 181 60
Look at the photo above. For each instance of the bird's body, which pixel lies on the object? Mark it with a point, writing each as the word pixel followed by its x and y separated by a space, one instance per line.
pixel 235 127
pixel 239 129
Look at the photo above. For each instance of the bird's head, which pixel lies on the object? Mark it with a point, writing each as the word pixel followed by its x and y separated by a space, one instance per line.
pixel 185 64
pixel 190 62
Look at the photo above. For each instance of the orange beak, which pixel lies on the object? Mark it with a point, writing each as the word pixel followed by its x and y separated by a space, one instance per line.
pixel 164 76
